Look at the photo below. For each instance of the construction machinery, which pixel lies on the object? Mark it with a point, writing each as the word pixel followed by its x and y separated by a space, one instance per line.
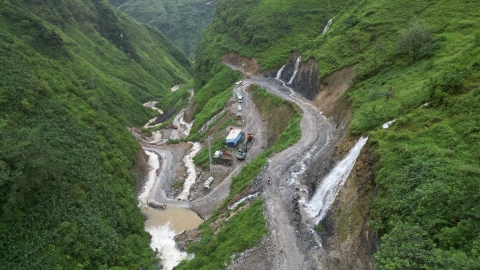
pixel 242 152
pixel 224 158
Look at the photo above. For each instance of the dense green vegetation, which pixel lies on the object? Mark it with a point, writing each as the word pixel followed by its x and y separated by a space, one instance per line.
pixel 212 97
pixel 72 77
pixel 425 203
pixel 182 21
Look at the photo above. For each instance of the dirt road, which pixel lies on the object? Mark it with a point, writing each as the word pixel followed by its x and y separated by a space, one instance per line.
pixel 253 123
pixel 285 169
pixel 157 194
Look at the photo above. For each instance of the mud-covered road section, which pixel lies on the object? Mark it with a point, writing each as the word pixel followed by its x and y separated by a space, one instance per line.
pixel 286 169
pixel 292 243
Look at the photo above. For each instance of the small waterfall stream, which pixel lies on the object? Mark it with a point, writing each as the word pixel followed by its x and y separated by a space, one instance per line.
pixel 325 195
pixel 279 73
pixel 327 26
pixel 297 63
pixel 207 124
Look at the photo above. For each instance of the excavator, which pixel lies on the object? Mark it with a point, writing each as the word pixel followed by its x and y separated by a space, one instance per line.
pixel 242 152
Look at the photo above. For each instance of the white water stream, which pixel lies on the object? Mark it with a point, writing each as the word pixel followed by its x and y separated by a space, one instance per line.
pixel 207 124
pixel 388 124
pixel 295 70
pixel 163 225
pixel 151 104
pixel 164 244
pixel 192 174
pixel 327 26
pixel 188 126
pixel 325 195
pixel 249 197
pixel 153 165
pixel 279 73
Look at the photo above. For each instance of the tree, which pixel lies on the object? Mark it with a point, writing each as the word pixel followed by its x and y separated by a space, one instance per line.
pixel 414 38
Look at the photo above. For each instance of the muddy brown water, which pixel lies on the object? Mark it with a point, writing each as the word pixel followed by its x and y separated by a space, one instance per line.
pixel 180 219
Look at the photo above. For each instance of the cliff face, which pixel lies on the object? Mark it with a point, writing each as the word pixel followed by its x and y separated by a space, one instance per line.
pixel 307 77
pixel 350 243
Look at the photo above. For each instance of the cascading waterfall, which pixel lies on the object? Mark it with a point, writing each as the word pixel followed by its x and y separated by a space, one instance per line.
pixel 327 26
pixel 297 63
pixel 325 195
pixel 279 73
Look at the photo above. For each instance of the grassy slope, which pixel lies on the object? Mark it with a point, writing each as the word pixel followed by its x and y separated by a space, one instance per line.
pixel 70 82
pixel 181 21
pixel 426 200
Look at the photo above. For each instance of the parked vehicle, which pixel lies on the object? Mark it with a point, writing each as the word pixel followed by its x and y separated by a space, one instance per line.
pixel 224 158
pixel 239 96
pixel 237 84
pixel 241 154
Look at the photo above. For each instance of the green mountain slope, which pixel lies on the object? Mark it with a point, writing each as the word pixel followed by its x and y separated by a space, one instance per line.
pixel 426 200
pixel 181 21
pixel 73 75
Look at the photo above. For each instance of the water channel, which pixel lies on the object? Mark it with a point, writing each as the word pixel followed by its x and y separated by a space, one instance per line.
pixel 163 225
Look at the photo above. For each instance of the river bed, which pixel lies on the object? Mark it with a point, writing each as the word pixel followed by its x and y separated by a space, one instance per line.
pixel 163 225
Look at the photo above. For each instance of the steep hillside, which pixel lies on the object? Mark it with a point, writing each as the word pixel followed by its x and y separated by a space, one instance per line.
pixel 181 21
pixel 416 62
pixel 73 75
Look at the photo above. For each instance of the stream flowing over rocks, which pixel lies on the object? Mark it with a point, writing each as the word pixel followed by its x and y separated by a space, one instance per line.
pixel 192 174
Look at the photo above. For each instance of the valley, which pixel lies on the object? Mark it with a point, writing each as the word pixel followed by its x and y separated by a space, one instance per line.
pixel 251 134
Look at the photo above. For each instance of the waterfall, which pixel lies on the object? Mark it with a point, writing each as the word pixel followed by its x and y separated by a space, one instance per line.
pixel 295 70
pixel 327 26
pixel 279 73
pixel 325 195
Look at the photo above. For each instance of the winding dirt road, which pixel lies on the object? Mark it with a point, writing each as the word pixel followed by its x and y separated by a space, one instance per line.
pixel 157 194
pixel 254 124
pixel 285 169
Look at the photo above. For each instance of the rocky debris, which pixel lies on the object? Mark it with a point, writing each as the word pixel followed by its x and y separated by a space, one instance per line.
pixel 258 257
pixel 157 206
pixel 185 238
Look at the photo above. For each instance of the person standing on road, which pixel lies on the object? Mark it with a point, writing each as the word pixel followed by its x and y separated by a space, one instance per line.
pixel 269 180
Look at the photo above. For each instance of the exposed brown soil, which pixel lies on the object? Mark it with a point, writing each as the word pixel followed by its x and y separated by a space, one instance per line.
pixel 243 63
pixel 332 89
